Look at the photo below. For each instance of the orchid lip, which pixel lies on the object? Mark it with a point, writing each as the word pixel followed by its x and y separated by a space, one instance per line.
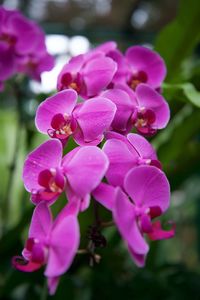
pixel 137 78
pixel 63 125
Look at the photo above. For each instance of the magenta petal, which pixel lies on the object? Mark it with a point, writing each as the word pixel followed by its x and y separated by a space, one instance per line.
pixel 52 283
pixel 94 118
pixel 23 265
pixel 64 244
pixel 125 219
pixel 121 160
pixel 150 99
pixel 69 69
pixel 97 74
pixel 124 108
pixel 105 194
pixel 46 156
pixel 148 61
pixel 142 146
pixel 139 259
pixel 106 47
pixel 86 169
pixel 158 233
pixel 148 186
pixel 60 103
pixel 41 222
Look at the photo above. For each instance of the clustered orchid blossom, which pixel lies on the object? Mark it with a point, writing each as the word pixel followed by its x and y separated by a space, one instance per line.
pixel 22 47
pixel 102 97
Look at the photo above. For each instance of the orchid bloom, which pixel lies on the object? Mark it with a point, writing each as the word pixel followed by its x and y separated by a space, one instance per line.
pixel 88 74
pixel 50 243
pixel 125 153
pixel 145 109
pixel 60 117
pixel 147 196
pixel 17 53
pixel 46 174
pixel 139 65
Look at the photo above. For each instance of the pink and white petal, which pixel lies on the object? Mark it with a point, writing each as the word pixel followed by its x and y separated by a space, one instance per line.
pixel 41 222
pixel 60 103
pixel 95 117
pixel 124 108
pixel 64 243
pixel 125 219
pixel 86 169
pixel 148 61
pixel 46 156
pixel 142 146
pixel 97 74
pixel 121 160
pixel 148 186
pixel 150 99
pixel 105 194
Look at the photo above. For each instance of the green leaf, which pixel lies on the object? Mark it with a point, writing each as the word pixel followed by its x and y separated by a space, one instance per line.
pixel 178 39
pixel 182 92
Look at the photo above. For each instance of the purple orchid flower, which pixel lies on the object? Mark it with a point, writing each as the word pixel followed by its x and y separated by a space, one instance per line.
pixel 49 243
pixel 147 196
pixel 60 117
pixel 139 65
pixel 88 74
pixel 46 174
pixel 145 109
pixel 125 153
pixel 17 53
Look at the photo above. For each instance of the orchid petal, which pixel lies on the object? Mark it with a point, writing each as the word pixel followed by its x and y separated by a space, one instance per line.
pixel 64 244
pixel 60 103
pixel 41 222
pixel 105 194
pixel 46 156
pixel 121 161
pixel 125 219
pixel 150 99
pixel 124 109
pixel 94 118
pixel 97 74
pixel 86 169
pixel 148 61
pixel 148 186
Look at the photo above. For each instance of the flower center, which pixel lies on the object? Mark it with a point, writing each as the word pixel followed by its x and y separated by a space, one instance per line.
pixel 62 126
pixel 52 183
pixel 70 81
pixel 143 120
pixel 35 251
pixel 136 79
pixel 11 40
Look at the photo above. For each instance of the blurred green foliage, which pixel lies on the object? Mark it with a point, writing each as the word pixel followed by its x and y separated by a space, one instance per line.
pixel 173 266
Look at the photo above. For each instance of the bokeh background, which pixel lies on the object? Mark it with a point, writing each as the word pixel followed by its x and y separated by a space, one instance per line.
pixel 172 272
